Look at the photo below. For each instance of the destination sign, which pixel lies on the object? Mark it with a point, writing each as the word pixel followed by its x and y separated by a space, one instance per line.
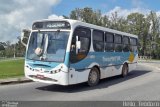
pixel 51 25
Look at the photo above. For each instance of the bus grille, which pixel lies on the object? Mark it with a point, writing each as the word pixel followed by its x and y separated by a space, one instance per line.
pixel 44 78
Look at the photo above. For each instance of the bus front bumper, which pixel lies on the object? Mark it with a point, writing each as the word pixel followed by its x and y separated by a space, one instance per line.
pixel 60 78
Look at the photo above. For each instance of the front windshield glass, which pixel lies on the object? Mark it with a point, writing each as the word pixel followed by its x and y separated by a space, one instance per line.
pixel 48 46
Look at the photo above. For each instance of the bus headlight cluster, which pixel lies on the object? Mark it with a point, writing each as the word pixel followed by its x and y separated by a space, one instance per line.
pixel 29 68
pixel 55 71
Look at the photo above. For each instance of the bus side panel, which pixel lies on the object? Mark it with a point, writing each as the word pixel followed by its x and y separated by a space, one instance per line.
pixel 72 76
pixel 78 76
pixel 104 60
pixel 112 71
pixel 110 64
pixel 113 63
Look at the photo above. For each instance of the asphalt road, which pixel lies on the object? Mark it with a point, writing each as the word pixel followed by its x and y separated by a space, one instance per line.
pixel 141 84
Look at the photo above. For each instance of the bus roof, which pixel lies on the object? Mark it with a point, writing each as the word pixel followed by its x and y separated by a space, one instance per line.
pixel 75 23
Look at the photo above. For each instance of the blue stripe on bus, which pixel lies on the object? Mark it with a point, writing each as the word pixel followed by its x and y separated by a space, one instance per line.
pixel 103 59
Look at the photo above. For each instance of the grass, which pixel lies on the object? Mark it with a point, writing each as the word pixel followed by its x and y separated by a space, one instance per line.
pixel 11 68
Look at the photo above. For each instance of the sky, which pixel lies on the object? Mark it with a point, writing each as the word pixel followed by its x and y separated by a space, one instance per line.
pixel 18 14
pixel 65 6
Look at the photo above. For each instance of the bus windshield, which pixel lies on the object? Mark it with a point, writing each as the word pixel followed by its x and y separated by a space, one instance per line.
pixel 48 46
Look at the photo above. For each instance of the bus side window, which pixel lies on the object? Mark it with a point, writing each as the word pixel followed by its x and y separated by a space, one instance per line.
pixel 84 36
pixel 118 43
pixel 133 43
pixel 126 47
pixel 84 44
pixel 98 38
pixel 109 38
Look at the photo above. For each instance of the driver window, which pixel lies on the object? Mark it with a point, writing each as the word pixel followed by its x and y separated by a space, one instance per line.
pixel 84 36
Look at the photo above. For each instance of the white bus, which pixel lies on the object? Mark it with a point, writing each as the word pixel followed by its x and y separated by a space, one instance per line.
pixel 66 52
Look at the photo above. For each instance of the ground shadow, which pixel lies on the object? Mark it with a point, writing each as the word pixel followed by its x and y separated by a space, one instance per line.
pixel 104 83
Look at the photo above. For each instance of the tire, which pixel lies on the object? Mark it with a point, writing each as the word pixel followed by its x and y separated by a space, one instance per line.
pixel 93 77
pixel 124 70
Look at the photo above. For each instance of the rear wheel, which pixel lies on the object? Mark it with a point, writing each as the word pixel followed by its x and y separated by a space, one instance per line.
pixel 93 77
pixel 124 70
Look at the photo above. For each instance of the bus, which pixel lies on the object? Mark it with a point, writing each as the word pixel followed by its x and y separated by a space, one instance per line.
pixel 66 52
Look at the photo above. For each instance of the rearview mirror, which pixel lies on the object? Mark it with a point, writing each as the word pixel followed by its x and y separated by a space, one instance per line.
pixel 24 36
pixel 78 44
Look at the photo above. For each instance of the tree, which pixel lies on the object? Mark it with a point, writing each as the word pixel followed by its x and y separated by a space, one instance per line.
pixel 116 22
pixel 87 15
pixel 76 14
pixel 105 21
pixel 20 49
pixel 154 33
pixel 2 47
pixel 138 25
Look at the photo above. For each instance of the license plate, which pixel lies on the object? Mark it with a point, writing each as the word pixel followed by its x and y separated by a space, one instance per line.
pixel 40 76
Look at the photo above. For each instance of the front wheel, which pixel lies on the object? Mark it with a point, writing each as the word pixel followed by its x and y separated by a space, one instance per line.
pixel 124 70
pixel 94 77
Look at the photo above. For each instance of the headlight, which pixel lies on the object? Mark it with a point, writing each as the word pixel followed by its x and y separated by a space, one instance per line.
pixel 29 68
pixel 55 71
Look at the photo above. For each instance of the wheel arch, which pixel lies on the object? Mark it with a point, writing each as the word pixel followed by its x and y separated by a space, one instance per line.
pixel 96 66
pixel 125 63
pixel 122 69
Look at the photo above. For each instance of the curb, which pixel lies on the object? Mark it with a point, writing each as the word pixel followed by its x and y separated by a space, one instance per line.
pixel 153 66
pixel 14 81
pixel 149 61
